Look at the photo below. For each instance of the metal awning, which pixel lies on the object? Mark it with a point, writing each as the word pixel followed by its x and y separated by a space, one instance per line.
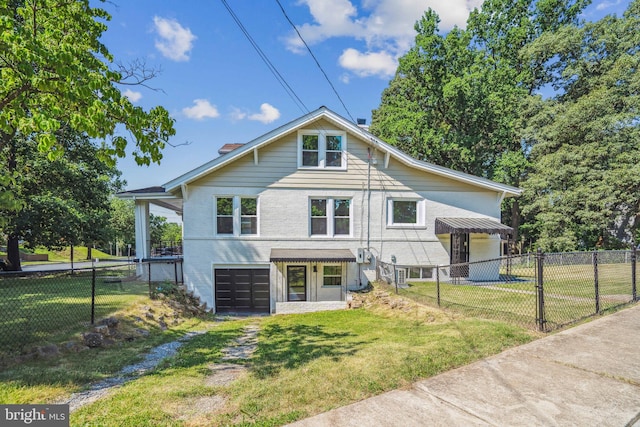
pixel 312 255
pixel 472 225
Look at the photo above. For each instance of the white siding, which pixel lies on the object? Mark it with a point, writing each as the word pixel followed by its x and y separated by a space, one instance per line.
pixel 284 193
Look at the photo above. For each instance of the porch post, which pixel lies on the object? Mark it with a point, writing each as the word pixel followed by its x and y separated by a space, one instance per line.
pixel 143 237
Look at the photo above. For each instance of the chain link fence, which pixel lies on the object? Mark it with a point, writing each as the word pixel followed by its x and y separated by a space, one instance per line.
pixel 50 306
pixel 541 291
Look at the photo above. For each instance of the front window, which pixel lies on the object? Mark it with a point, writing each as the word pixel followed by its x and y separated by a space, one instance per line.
pixel 341 214
pixel 322 149
pixel 310 148
pixel 318 216
pixel 248 216
pixel 406 213
pixel 236 215
pixel 332 275
pixel 330 217
pixel 334 151
pixel 224 210
pixel 420 272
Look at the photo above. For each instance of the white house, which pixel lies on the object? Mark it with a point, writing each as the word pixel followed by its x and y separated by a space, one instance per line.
pixel 292 220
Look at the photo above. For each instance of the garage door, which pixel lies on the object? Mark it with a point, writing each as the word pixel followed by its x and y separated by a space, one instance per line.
pixel 240 289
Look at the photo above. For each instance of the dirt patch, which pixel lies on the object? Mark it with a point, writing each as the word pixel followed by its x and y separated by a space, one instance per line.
pixel 223 374
pixel 195 411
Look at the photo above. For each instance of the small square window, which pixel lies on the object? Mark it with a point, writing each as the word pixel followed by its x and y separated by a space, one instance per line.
pixel 332 275
pixel 405 212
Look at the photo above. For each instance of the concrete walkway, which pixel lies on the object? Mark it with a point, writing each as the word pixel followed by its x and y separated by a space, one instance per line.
pixel 588 375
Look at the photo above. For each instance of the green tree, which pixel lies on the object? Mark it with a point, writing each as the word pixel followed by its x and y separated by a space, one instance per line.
pixel 122 224
pixel 65 201
pixel 583 190
pixel 56 74
pixel 456 99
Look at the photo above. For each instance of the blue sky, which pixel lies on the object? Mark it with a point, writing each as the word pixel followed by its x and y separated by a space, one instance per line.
pixel 219 90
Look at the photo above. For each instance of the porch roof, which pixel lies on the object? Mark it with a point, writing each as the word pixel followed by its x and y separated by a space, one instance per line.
pixel 318 255
pixel 472 225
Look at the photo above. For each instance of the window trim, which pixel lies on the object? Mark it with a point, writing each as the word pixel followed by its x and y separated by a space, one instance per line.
pixel 330 217
pixel 420 213
pixel 322 149
pixel 237 215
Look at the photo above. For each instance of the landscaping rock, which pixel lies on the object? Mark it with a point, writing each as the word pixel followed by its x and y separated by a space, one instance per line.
pixel 47 351
pixel 92 339
pixel 142 332
pixel 111 322
pixel 102 330
pixel 163 325
pixel 148 315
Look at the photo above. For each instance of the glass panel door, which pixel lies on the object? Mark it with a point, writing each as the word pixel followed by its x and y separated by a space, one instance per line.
pixel 297 282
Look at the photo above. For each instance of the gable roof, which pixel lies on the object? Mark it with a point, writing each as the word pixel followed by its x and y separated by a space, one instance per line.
pixel 341 122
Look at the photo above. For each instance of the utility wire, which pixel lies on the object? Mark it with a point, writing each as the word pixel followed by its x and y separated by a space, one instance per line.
pixel 316 60
pixel 265 59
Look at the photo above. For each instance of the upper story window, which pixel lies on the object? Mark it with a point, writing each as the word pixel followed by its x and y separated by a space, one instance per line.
pixel 405 213
pixel 224 215
pixel 330 217
pixel 236 215
pixel 322 149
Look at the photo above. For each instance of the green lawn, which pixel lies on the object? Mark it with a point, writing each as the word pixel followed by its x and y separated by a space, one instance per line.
pixel 569 294
pixel 36 309
pixel 303 365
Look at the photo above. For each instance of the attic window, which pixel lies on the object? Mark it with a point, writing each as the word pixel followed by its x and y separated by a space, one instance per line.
pixel 322 149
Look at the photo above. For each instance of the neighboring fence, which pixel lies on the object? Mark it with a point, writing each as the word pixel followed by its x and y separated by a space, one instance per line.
pixel 542 291
pixel 49 306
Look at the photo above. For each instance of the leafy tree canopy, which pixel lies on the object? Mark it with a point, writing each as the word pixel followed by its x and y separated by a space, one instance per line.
pixel 583 190
pixel 66 200
pixel 55 74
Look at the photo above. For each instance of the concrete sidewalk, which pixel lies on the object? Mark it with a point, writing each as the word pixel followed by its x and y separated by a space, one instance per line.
pixel 588 375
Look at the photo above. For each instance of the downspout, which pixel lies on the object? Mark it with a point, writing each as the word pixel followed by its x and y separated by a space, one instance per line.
pixel 369 199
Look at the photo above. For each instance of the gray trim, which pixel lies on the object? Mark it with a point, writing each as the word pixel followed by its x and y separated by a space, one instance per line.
pixel 312 255
pixel 472 225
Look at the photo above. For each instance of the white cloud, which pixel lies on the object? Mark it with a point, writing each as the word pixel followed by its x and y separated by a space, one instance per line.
pixel 268 113
pixel 175 41
pixel 386 27
pixel 133 96
pixel 201 109
pixel 367 64
pixel 607 4
pixel 237 114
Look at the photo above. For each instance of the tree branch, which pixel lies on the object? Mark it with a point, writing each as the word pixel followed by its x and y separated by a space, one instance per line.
pixel 137 74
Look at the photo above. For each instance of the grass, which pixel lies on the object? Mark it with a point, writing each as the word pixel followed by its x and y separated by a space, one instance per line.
pixel 304 364
pixel 569 294
pixel 53 380
pixel 63 255
pixel 49 307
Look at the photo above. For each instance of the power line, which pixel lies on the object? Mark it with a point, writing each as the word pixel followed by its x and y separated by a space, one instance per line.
pixel 316 60
pixel 265 59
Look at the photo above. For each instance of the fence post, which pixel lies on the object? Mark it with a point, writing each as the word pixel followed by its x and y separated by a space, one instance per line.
pixel 93 295
pixel 175 271
pixel 149 281
pixel 540 288
pixel 595 280
pixel 633 272
pixel 438 284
